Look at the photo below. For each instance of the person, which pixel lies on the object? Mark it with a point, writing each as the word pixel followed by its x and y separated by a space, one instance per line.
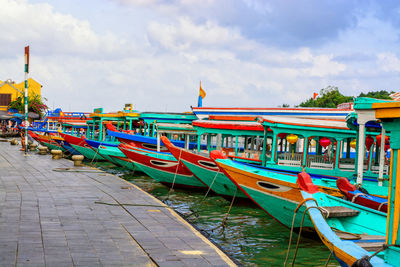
pixel 22 134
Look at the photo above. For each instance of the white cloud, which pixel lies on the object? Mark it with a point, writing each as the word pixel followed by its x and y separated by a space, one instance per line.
pixel 49 31
pixel 389 62
pixel 185 34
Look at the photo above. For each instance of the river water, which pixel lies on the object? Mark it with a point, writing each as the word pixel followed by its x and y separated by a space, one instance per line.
pixel 250 237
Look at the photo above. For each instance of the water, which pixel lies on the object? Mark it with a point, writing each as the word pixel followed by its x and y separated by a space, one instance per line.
pixel 250 237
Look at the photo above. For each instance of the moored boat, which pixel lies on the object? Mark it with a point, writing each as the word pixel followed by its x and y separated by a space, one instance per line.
pixel 162 167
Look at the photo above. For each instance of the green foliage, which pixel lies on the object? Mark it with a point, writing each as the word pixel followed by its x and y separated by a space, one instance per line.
pixel 383 94
pixel 35 104
pixel 329 97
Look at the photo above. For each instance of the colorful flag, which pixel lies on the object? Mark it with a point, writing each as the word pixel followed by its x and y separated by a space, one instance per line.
pixel 395 96
pixel 202 94
pixel 27 59
pixel 315 96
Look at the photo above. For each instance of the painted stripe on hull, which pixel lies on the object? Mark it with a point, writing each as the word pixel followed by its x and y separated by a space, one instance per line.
pixel 88 152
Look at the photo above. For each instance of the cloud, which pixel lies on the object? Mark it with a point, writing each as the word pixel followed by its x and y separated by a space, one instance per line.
pixel 185 34
pixel 49 32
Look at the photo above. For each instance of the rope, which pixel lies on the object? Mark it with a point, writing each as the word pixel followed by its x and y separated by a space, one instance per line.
pixel 356 236
pixel 205 196
pixel 75 170
pixel 132 204
pixel 329 258
pixel 225 219
pixel 356 196
pixel 292 227
pixel 97 150
pixel 173 181
pixel 381 205
pixel 301 228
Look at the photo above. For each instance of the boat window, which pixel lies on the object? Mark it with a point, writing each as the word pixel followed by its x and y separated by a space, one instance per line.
pixel 267 185
pixel 207 164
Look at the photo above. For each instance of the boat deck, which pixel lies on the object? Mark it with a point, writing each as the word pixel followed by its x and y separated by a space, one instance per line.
pixel 53 217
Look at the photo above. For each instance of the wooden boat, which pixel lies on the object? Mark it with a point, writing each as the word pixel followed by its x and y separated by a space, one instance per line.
pixel 351 232
pixel 96 144
pixel 79 144
pixel 162 167
pixel 357 253
pixel 49 139
pixel 198 161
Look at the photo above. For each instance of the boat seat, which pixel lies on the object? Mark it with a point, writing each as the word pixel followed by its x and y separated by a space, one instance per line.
pixel 367 242
pixel 338 211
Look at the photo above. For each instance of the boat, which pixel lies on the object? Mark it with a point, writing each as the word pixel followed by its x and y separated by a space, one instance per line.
pixel 221 128
pixel 353 233
pixel 273 184
pixel 96 144
pixel 355 253
pixel 162 167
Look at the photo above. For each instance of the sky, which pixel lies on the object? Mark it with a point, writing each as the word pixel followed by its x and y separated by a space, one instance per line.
pixel 154 53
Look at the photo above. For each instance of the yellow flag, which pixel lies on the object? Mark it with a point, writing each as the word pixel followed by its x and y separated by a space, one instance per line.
pixel 202 93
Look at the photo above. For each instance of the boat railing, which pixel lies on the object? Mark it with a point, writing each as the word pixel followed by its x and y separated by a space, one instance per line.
pixel 320 162
pixel 290 159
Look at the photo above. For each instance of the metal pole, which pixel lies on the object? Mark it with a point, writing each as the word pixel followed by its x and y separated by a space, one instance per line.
pixel 26 96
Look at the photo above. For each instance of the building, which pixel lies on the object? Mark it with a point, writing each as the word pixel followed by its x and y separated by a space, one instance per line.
pixel 9 91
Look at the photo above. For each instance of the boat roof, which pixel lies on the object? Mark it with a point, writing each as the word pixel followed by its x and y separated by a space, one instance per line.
pixel 206 112
pixel 175 128
pixel 119 114
pixel 229 125
pixel 304 122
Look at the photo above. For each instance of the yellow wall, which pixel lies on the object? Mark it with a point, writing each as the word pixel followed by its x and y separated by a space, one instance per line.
pixel 33 87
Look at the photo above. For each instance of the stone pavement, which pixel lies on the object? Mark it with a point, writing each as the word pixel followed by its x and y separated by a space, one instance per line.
pixel 88 218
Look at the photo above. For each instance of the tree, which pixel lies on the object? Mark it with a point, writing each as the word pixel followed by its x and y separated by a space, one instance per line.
pixel 329 97
pixel 383 94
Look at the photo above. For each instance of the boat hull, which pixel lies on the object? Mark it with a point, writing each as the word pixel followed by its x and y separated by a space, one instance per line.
pixel 163 168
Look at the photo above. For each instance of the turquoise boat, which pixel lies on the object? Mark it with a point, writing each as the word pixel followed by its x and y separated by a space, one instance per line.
pixel 273 186
pixel 98 145
pixel 162 167
pixel 378 241
pixel 219 132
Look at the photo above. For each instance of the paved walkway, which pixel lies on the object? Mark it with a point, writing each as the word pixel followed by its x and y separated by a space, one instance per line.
pixel 90 218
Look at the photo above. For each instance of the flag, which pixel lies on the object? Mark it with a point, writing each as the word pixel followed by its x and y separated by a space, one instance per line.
pixel 27 59
pixel 202 94
pixel 315 95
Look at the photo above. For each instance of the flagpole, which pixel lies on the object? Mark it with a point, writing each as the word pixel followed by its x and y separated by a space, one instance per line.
pixel 26 96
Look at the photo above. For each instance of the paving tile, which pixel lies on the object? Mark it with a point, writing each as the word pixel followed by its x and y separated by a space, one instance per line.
pixel 52 218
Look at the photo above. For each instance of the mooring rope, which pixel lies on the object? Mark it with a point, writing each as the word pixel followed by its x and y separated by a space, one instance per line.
pixel 205 196
pixel 173 181
pixel 292 227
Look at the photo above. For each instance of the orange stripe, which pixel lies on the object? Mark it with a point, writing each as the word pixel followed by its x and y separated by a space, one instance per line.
pixel 389 239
